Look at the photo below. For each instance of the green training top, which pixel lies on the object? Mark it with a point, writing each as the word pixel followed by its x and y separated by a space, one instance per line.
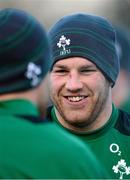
pixel 111 143
pixel 33 148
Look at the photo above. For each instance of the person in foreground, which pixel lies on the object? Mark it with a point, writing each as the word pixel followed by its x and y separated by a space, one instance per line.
pixel 85 68
pixel 31 147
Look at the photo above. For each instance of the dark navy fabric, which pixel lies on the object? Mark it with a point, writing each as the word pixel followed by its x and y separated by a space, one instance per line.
pixel 91 37
pixel 23 40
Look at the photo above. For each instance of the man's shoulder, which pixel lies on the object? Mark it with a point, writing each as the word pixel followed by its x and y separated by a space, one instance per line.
pixel 46 140
pixel 48 152
pixel 19 129
pixel 123 123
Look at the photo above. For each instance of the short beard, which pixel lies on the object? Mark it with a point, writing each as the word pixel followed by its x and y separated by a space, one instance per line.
pixel 97 109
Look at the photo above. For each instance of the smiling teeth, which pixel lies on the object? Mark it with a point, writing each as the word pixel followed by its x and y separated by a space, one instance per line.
pixel 76 99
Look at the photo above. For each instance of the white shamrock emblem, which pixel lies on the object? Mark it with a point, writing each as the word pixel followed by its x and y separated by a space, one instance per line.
pixel 33 71
pixel 63 42
pixel 121 168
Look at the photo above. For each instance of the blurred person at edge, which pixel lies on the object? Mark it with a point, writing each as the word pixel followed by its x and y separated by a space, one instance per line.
pixel 30 147
pixel 121 90
pixel 85 68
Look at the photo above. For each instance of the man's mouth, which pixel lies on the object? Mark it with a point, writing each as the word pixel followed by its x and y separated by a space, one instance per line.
pixel 75 98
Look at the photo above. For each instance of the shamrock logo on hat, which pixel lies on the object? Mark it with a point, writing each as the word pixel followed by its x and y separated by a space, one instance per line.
pixel 33 71
pixel 63 42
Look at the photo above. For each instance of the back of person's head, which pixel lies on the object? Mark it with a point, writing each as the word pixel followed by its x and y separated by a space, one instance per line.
pixel 88 36
pixel 123 47
pixel 24 51
pixel 121 90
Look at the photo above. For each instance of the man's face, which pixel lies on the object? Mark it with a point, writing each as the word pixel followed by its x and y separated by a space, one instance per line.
pixel 79 92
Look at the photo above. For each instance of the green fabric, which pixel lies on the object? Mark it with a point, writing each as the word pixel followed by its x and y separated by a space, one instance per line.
pixel 18 107
pixel 109 145
pixel 41 150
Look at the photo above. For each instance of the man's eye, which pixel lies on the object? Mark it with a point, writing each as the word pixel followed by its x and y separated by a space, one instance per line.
pixel 88 70
pixel 60 71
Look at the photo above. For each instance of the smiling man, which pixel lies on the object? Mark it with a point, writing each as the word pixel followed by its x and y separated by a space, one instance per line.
pixel 85 68
pixel 77 88
pixel 31 147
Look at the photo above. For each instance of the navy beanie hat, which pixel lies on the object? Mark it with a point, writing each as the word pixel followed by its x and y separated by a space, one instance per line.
pixel 88 36
pixel 24 51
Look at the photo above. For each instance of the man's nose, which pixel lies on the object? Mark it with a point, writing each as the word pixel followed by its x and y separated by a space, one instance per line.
pixel 73 82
